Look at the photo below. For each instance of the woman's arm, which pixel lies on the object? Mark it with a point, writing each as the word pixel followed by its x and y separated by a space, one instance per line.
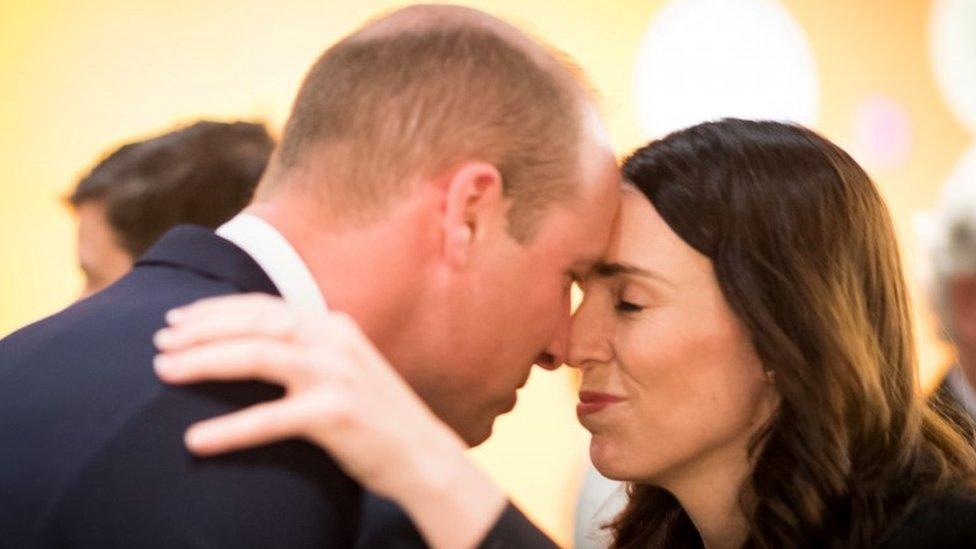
pixel 340 394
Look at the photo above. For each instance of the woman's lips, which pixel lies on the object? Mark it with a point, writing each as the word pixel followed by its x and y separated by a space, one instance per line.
pixel 592 402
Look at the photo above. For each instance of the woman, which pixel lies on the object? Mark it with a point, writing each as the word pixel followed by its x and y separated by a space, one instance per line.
pixel 747 362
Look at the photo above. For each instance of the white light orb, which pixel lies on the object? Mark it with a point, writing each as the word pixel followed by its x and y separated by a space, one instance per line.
pixel 707 59
pixel 952 46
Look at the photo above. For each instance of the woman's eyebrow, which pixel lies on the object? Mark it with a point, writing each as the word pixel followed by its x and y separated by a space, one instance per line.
pixel 608 269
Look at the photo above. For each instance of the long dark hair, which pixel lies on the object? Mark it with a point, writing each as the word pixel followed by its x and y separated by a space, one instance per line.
pixel 805 253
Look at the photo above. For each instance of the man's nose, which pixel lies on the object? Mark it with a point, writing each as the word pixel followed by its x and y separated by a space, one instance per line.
pixel 555 354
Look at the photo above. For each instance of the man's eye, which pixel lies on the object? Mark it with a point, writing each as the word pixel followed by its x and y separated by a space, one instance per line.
pixel 573 279
pixel 628 307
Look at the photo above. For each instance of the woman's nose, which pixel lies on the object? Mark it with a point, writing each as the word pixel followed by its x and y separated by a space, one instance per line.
pixel 590 332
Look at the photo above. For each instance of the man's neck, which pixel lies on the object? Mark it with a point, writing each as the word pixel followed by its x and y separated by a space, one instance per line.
pixel 363 272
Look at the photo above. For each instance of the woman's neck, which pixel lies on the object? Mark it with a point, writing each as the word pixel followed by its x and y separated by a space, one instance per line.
pixel 711 495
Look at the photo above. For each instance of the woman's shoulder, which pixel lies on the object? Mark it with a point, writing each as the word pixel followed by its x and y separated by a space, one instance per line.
pixel 943 521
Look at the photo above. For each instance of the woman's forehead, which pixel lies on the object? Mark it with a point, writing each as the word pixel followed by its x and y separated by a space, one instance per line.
pixel 643 239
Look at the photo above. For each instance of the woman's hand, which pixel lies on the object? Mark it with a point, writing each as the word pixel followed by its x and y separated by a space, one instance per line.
pixel 341 394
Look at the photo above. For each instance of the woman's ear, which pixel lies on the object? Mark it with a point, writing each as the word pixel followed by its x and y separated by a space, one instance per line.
pixel 473 201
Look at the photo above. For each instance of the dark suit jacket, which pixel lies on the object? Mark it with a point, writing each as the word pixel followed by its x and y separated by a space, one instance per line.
pixel 386 526
pixel 91 449
pixel 947 522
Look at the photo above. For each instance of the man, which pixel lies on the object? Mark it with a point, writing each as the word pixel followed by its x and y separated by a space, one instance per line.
pixel 202 174
pixel 953 287
pixel 441 180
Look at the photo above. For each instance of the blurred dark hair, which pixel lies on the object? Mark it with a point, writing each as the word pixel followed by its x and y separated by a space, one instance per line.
pixel 202 174
pixel 805 254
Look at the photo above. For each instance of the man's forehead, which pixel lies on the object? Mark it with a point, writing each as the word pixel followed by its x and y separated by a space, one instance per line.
pixel 599 174
pixel 592 235
pixel 597 223
pixel 599 198
pixel 595 131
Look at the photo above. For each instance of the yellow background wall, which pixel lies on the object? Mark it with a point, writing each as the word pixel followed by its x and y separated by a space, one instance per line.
pixel 79 78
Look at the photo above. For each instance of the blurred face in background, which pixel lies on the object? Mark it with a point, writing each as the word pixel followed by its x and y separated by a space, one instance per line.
pixel 100 257
pixel 671 385
pixel 962 305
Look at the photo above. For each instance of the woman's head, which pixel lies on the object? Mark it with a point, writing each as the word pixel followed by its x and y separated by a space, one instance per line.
pixel 784 332
pixel 671 383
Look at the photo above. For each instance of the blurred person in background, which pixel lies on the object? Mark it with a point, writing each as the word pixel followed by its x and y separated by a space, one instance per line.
pixel 747 356
pixel 950 231
pixel 201 174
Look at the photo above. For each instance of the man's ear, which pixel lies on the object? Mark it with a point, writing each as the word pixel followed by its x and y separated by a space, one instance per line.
pixel 473 200
pixel 962 296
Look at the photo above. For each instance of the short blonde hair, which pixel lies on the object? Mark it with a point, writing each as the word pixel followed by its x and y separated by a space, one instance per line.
pixel 387 110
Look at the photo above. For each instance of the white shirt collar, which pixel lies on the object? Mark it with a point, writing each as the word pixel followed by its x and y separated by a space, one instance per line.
pixel 277 258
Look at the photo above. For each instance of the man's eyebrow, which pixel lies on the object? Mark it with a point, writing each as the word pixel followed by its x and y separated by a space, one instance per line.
pixel 607 269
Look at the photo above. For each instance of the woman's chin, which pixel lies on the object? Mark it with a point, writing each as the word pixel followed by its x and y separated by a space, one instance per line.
pixel 607 460
pixel 611 460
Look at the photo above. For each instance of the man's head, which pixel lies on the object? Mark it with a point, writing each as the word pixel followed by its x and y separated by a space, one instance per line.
pixel 202 174
pixel 417 93
pixel 952 244
pixel 468 164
